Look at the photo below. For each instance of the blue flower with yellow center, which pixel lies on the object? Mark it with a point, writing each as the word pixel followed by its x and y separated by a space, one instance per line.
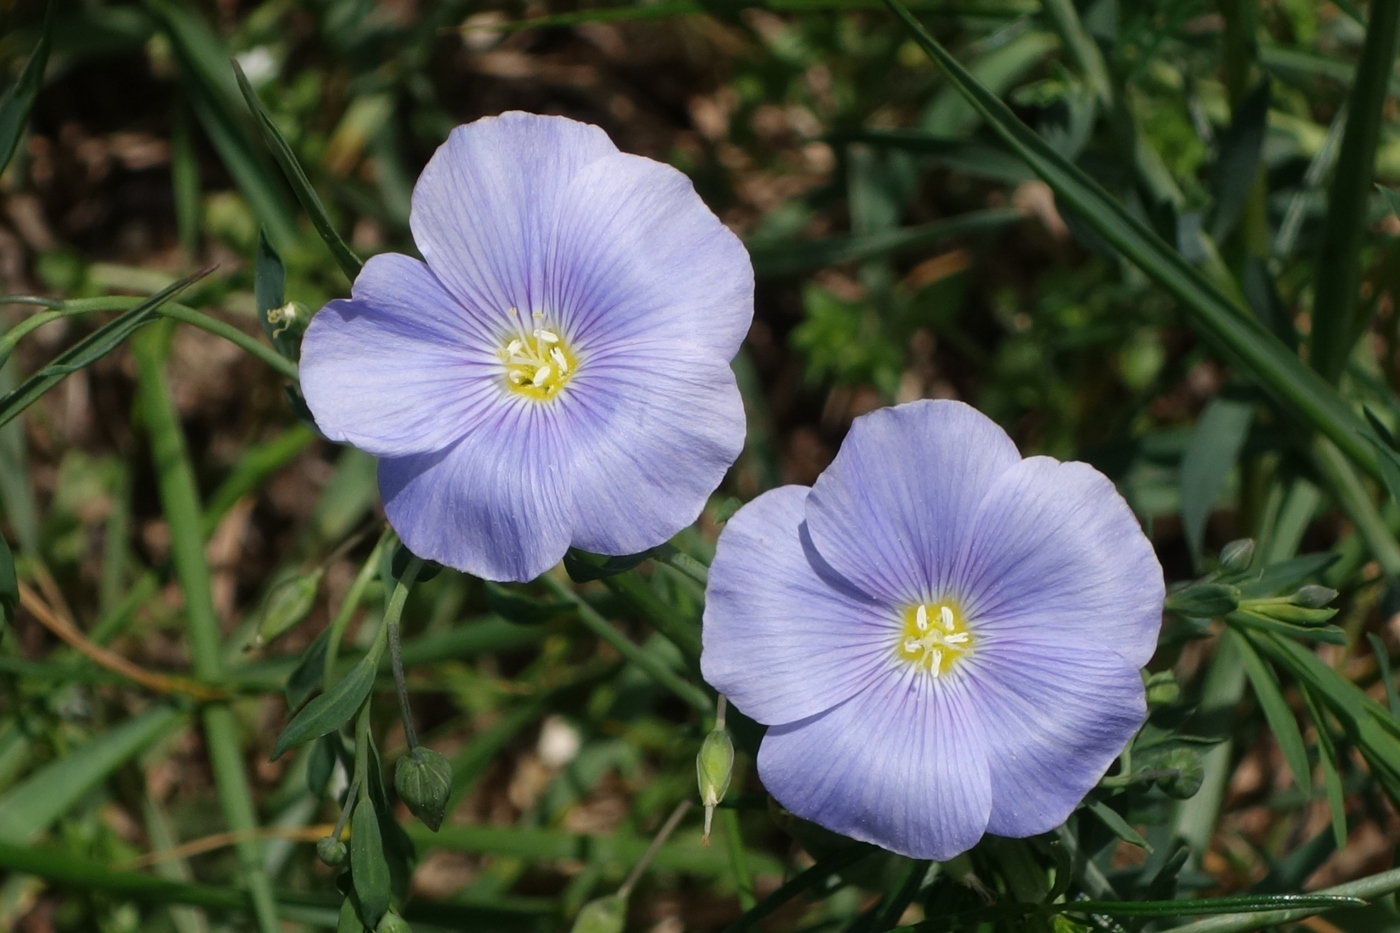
pixel 556 371
pixel 944 638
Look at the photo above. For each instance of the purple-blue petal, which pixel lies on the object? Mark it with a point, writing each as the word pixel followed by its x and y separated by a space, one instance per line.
pixel 1054 548
pixel 1056 715
pixel 496 505
pixel 640 268
pixel 648 447
pixel 399 368
pixel 902 765
pixel 485 206
pixel 891 511
pixel 784 638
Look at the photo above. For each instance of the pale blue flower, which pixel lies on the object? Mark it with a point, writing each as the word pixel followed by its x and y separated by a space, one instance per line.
pixel 557 372
pixel 943 638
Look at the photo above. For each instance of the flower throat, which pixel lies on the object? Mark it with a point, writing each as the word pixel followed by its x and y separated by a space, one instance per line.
pixel 934 637
pixel 538 362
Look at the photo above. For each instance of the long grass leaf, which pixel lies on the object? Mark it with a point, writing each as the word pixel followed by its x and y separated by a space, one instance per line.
pixel 1280 717
pixel 1300 389
pixel 14 106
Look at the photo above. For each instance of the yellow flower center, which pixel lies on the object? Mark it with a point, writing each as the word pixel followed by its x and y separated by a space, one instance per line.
pixel 934 637
pixel 538 362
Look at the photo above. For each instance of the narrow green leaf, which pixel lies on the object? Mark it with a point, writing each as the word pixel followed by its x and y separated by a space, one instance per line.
pixel 1083 47
pixel 966 156
pixel 301 186
pixel 1300 389
pixel 1331 779
pixel 269 294
pixel 1242 903
pixel 1120 827
pixel 9 584
pixel 330 710
pixel 349 920
pixel 813 877
pixel 1279 715
pixel 321 763
pixel 14 106
pixel 368 867
pixel 29 808
pixel 1215 446
pixel 307 676
pixel 1392 700
pixel 1238 161
pixel 783 259
pixel 184 179
pixel 90 349
pixel 1386 454
pixel 521 609
pixel 1338 318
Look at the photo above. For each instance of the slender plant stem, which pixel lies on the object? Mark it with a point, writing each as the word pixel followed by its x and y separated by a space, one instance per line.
pixel 649 664
pixel 342 618
pixel 662 835
pixel 662 615
pixel 391 622
pixel 180 502
pixel 738 858
pixel 1369 888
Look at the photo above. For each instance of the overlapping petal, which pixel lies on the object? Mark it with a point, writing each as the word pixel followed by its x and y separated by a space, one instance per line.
pixel 902 765
pixel 497 502
pixel 890 512
pixel 784 637
pixel 1058 714
pixel 648 448
pixel 638 266
pixel 1054 548
pixel 484 208
pixel 400 367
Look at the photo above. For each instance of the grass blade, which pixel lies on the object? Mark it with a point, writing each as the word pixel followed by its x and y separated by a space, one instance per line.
pixel 14 106
pixel 1278 714
pixel 1337 318
pixel 1243 903
pixel 301 186
pixel 90 349
pixel 1300 389
pixel 1215 446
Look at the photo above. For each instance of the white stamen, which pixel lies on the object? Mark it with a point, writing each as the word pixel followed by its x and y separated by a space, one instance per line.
pixel 514 347
pixel 541 376
pixel 546 335
pixel 921 618
pixel 958 639
pixel 945 616
pixel 911 645
pixel 557 355
pixel 937 662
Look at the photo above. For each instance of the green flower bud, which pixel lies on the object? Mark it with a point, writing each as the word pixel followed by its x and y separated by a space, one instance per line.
pixel 391 922
pixel 1314 597
pixel 1189 772
pixel 1237 555
pixel 287 604
pixel 713 768
pixel 423 779
pixel 330 850
pixel 1162 689
pixel 604 915
pixel 1205 600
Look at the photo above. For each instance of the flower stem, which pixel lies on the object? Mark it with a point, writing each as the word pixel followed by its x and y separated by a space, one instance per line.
pixel 391 622
pixel 661 836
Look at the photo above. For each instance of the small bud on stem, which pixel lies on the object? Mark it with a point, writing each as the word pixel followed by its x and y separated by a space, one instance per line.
pixel 714 766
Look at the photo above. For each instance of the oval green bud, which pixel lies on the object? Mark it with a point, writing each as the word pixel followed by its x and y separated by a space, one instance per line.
pixel 1237 555
pixel 604 915
pixel 1162 689
pixel 391 922
pixel 423 779
pixel 1189 773
pixel 1313 596
pixel 714 766
pixel 289 602
pixel 330 850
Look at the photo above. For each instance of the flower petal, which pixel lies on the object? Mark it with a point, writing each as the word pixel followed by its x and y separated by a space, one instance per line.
pixel 485 205
pixel 1055 548
pixel 1056 715
pixel 890 512
pixel 638 257
pixel 398 368
pixel 784 637
pixel 496 505
pixel 648 448
pixel 902 765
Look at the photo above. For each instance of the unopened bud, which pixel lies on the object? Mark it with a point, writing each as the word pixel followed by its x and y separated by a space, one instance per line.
pixel 1187 769
pixel 1162 689
pixel 423 779
pixel 1237 555
pixel 604 915
pixel 713 768
pixel 330 850
pixel 287 604
pixel 1313 596
pixel 391 922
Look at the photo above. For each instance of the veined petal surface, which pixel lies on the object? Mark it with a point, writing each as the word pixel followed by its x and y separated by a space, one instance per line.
pixel 400 367
pixel 784 637
pixel 890 512
pixel 497 502
pixel 902 765
pixel 1054 548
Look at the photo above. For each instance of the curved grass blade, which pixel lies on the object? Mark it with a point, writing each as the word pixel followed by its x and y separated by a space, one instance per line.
pixel 1278 714
pixel 301 186
pixel 1299 388
pixel 1243 903
pixel 14 107
pixel 773 261
pixel 1338 319
pixel 91 348
pixel 1383 661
